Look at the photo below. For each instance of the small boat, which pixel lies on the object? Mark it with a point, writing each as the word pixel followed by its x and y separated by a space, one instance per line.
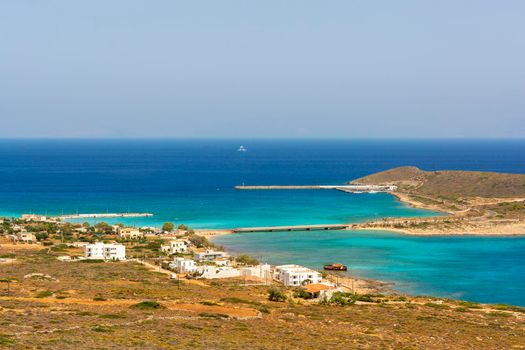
pixel 242 149
pixel 335 267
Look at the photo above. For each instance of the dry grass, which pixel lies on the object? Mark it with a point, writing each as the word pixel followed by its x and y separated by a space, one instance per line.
pixel 223 315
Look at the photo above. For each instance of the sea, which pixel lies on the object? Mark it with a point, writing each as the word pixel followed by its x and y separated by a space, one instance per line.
pixel 192 182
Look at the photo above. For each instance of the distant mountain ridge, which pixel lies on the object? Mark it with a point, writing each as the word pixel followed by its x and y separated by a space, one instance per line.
pixel 450 183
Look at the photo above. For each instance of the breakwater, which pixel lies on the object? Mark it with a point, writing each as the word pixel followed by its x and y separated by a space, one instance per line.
pixel 345 188
pixel 103 215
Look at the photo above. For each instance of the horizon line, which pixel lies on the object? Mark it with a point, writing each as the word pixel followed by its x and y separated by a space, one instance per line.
pixel 167 138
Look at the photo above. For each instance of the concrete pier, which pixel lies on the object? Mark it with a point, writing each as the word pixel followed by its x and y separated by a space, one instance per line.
pixel 291 228
pixel 103 215
pixel 344 188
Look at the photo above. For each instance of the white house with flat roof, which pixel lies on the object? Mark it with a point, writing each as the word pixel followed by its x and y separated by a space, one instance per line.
pixel 129 233
pixel 210 255
pixel 296 275
pixel 183 265
pixel 25 237
pixel 103 251
pixel 263 271
pixel 178 246
pixel 211 272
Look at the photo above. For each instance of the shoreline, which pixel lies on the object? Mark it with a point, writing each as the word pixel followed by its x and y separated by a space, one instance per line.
pixel 350 283
pixel 452 223
pixel 508 231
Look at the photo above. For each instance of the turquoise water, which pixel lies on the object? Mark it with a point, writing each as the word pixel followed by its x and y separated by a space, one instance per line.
pixel 191 182
pixel 272 208
pixel 483 269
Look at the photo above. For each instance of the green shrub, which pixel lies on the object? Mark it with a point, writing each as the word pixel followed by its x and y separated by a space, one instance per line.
pixel 400 298
pixel 99 298
pixel 506 307
pixel 44 294
pixel 367 298
pixel 342 299
pixel 437 306
pixel 6 340
pixel 470 305
pixel 246 260
pixel 168 227
pixel 147 305
pixel 199 241
pixel 91 261
pixel 301 293
pixel 276 295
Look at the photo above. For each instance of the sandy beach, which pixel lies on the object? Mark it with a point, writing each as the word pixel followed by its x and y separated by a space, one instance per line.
pixel 516 229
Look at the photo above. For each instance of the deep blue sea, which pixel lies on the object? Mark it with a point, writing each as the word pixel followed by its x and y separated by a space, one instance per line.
pixel 191 182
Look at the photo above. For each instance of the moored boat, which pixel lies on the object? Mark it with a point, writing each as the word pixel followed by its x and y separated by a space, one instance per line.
pixel 335 267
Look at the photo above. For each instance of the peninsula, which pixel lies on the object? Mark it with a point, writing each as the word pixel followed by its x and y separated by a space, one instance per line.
pixel 481 203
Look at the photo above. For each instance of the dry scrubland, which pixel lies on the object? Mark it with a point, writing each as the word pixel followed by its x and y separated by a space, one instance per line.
pixel 97 306
pixel 477 202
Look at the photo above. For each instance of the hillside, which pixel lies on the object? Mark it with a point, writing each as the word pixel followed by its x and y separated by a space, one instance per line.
pixel 71 305
pixel 450 183
pixel 480 203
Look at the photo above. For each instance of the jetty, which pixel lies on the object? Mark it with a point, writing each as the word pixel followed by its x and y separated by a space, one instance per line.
pixel 352 188
pixel 291 228
pixel 103 215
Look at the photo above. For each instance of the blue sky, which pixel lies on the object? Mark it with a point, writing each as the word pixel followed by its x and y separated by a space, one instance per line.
pixel 443 68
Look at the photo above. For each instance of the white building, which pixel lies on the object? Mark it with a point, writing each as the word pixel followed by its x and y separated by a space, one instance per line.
pixel 34 217
pixel 263 271
pixel 182 265
pixel 178 246
pixel 152 229
pixel 129 233
pixel 175 246
pixel 210 255
pixel 222 262
pixel 25 237
pixel 102 251
pixel 295 275
pixel 210 272
pixel 322 290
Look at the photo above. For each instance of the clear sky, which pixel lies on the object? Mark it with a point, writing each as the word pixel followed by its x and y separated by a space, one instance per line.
pixel 349 68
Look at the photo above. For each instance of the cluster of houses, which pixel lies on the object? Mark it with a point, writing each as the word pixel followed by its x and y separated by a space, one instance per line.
pixel 215 264
pixel 207 264
pixel 21 235
pixel 211 264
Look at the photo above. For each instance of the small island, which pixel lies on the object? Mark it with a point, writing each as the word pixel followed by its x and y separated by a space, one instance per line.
pixel 479 203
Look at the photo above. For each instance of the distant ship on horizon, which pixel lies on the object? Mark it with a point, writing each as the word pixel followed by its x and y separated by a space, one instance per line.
pixel 242 149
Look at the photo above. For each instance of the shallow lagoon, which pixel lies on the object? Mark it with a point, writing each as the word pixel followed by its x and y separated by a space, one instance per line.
pixel 483 269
